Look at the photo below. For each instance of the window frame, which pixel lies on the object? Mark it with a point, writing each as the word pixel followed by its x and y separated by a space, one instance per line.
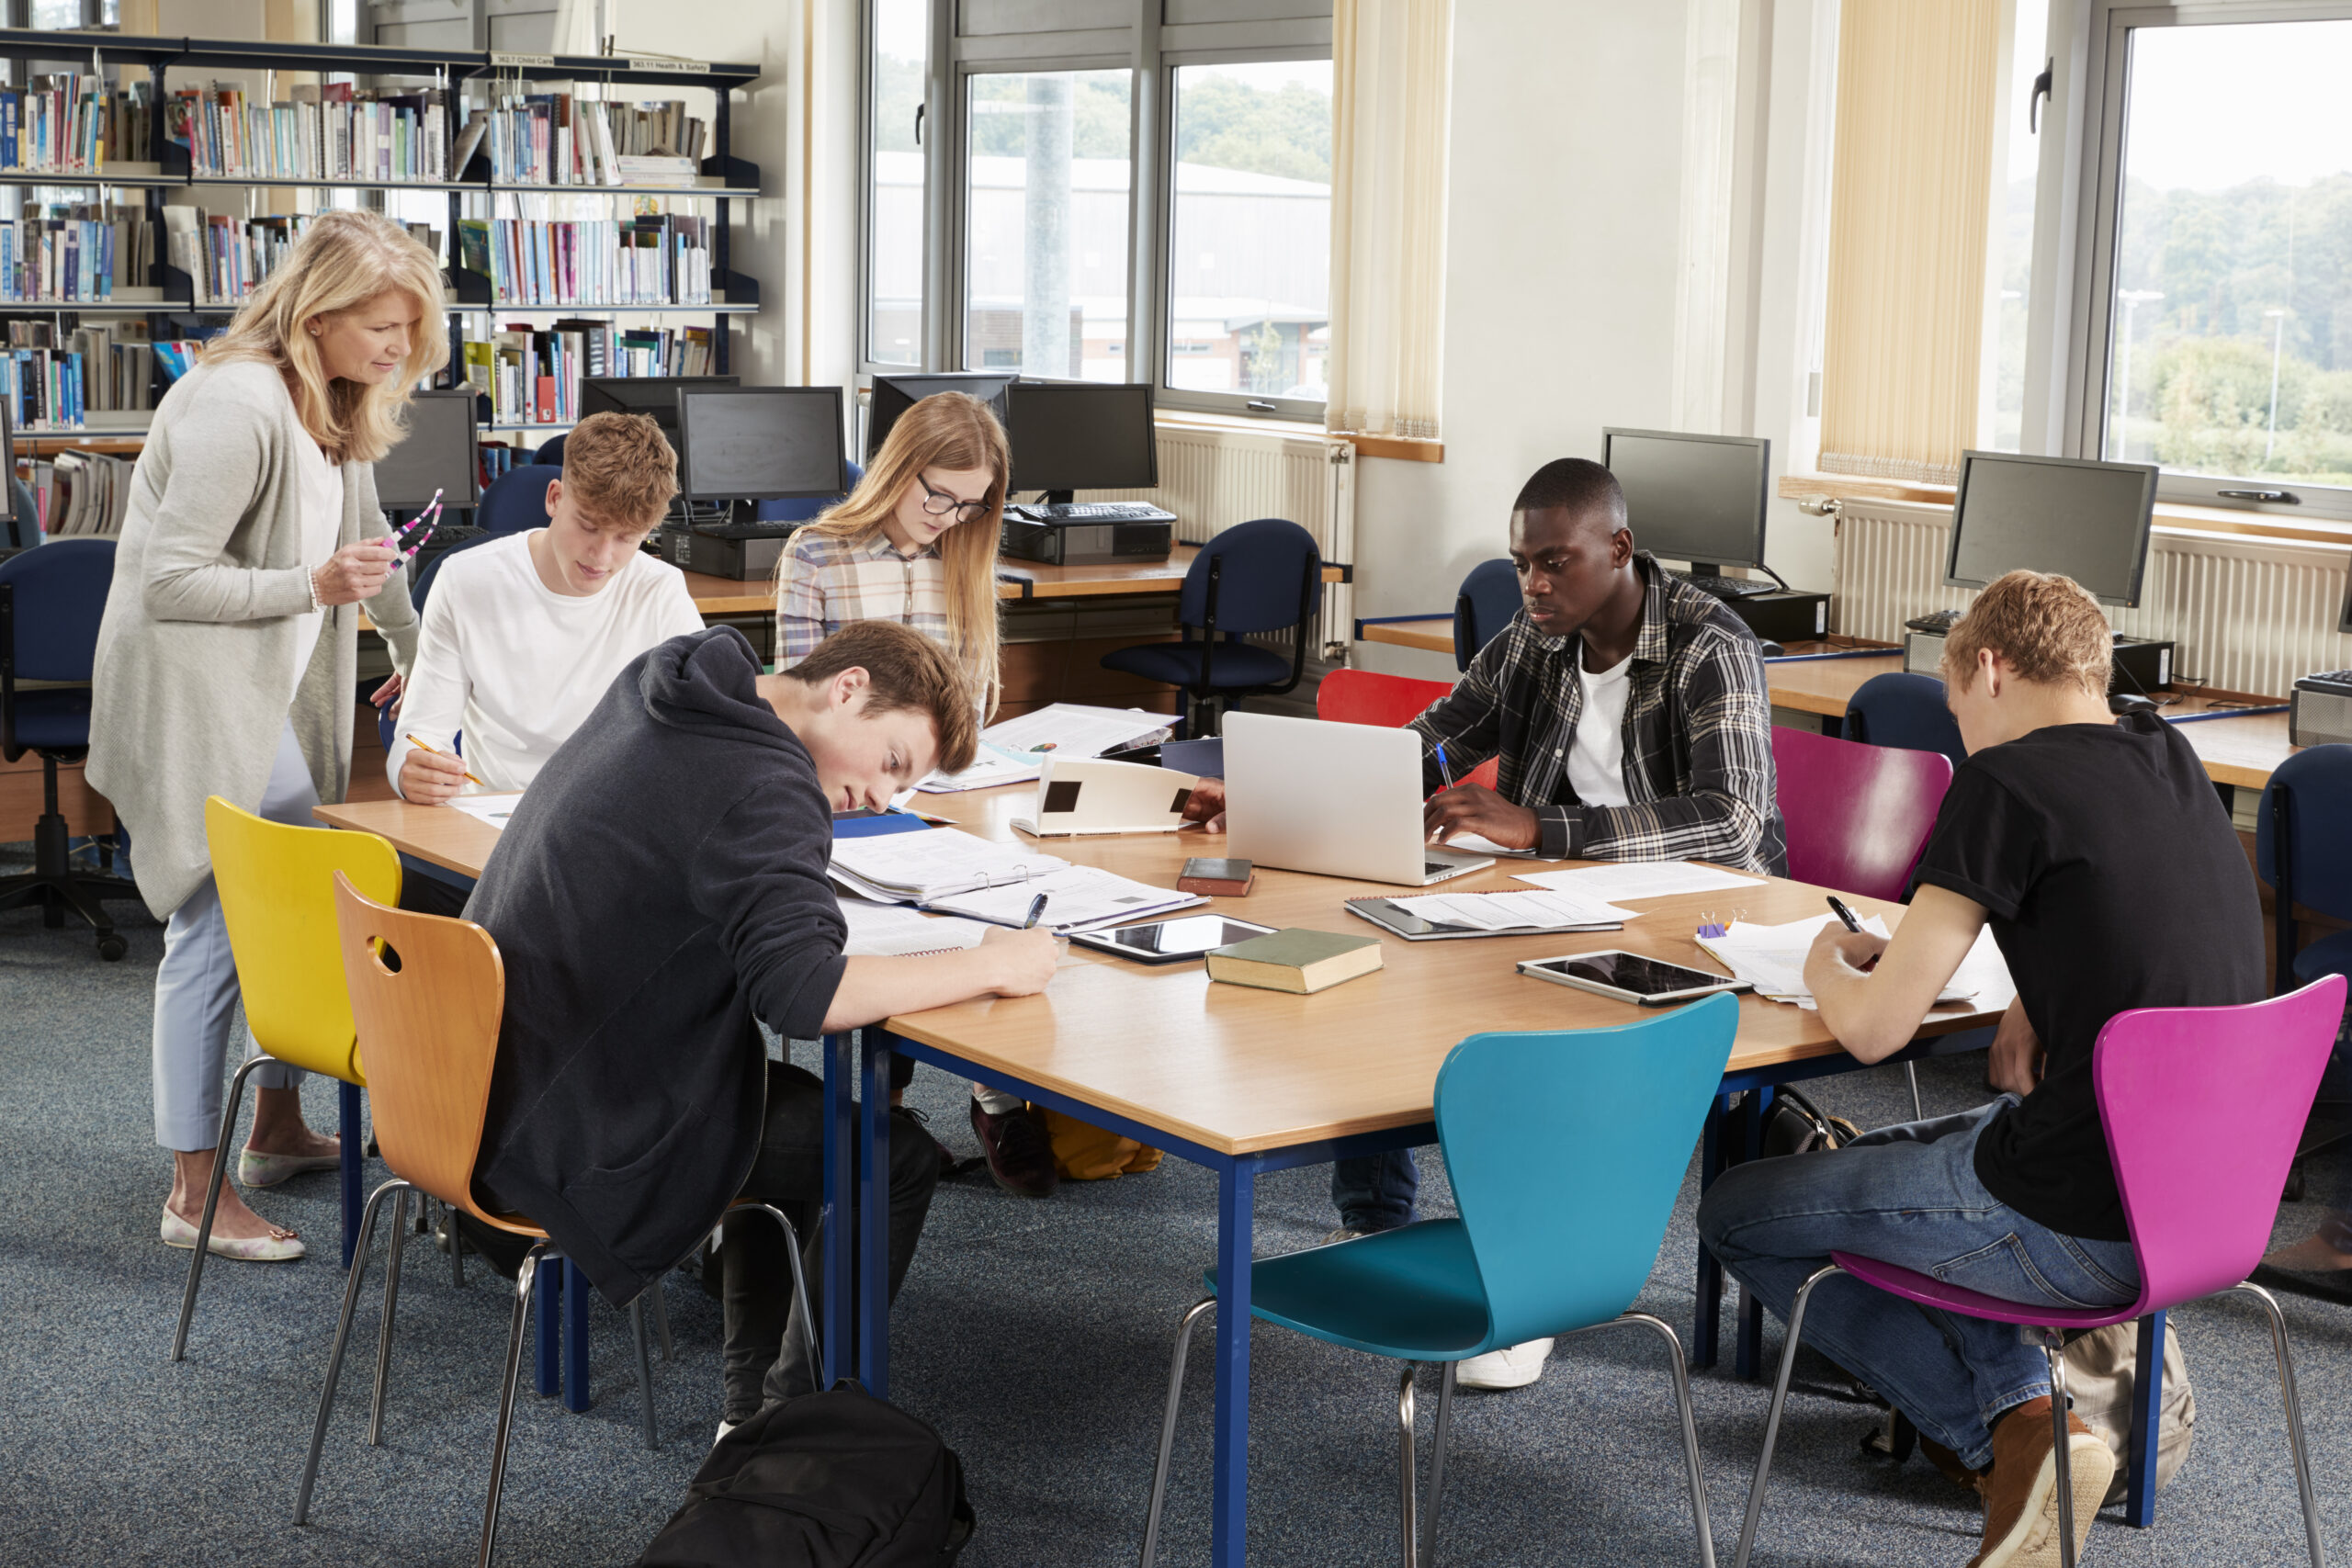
pixel 2104 71
pixel 1150 50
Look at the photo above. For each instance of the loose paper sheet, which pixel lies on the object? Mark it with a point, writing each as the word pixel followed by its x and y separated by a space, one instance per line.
pixel 494 809
pixel 1640 879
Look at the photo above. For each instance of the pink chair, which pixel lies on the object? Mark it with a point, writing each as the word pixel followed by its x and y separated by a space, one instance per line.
pixel 2202 1108
pixel 1858 818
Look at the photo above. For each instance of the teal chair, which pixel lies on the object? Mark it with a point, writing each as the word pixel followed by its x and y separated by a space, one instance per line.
pixel 1566 1148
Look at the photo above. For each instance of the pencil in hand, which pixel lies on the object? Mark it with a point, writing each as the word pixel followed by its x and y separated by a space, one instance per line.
pixel 436 751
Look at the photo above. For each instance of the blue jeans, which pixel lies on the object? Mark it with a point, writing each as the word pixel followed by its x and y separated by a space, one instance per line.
pixel 1374 1192
pixel 1909 1195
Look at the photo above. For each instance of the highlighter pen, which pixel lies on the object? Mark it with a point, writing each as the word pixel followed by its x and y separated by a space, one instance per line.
pixel 423 746
pixel 1037 908
pixel 1443 771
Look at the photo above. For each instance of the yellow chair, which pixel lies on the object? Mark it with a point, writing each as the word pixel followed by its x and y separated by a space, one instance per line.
pixel 276 888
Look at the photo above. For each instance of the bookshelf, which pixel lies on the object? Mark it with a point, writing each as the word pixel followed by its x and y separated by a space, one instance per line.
pixel 467 81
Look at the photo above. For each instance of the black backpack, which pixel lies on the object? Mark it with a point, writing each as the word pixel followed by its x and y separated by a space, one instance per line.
pixel 835 1480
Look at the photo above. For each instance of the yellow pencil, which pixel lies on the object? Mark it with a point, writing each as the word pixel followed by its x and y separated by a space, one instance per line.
pixel 423 746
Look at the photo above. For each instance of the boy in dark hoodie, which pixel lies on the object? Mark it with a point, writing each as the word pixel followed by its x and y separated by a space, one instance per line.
pixel 662 887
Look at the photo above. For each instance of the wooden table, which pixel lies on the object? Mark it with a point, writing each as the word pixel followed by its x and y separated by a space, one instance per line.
pixel 1239 1081
pixel 1432 632
pixel 1015 579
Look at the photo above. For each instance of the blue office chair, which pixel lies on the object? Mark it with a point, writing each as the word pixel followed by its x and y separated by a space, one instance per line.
pixel 1906 711
pixel 1566 1148
pixel 2302 847
pixel 1489 598
pixel 24 516
pixel 517 501
pixel 803 509
pixel 1254 577
pixel 551 451
pixel 51 602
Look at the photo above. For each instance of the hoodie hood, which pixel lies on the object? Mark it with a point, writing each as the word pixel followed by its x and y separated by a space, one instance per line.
pixel 707 683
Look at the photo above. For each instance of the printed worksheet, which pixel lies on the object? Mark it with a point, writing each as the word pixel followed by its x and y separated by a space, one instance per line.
pixel 1640 879
pixel 494 809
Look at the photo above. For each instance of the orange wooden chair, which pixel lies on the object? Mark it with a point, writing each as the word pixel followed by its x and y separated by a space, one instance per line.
pixel 427 994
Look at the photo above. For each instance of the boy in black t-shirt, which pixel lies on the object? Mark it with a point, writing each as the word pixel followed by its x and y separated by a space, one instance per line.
pixel 2100 856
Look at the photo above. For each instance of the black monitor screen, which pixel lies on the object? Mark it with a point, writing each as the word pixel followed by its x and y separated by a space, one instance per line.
pixel 761 443
pixel 437 453
pixel 894 395
pixel 655 394
pixel 2345 625
pixel 1694 498
pixel 2084 520
pixel 1081 437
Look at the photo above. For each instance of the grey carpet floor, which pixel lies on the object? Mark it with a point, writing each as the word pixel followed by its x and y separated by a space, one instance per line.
pixel 1035 1334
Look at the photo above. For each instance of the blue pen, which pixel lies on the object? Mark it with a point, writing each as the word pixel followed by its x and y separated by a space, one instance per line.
pixel 1037 908
pixel 1443 771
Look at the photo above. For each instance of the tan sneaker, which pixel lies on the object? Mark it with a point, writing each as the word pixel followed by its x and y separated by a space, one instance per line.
pixel 2021 1489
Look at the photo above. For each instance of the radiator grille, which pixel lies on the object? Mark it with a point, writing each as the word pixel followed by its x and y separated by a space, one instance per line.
pixel 2249 614
pixel 1213 478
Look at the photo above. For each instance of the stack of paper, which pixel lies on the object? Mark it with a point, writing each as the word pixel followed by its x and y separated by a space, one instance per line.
pixel 938 862
pixel 1013 751
pixel 1771 958
pixel 890 930
pixel 1514 911
pixel 1641 879
pixel 1079 898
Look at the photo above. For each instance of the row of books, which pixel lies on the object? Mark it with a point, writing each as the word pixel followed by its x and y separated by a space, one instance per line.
pixel 82 494
pixel 650 259
pixel 330 133
pixel 118 366
pixel 557 139
pixel 42 388
pixel 228 258
pixel 56 375
pixel 84 251
pixel 532 375
pixel 71 123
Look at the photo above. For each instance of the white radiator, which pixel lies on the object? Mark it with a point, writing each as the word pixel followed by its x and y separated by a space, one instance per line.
pixel 1213 478
pixel 2250 615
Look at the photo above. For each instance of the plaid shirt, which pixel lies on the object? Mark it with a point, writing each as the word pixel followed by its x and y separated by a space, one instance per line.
pixel 829 583
pixel 1699 780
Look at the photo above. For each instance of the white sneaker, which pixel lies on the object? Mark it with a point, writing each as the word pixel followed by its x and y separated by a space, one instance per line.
pixel 724 1428
pixel 1514 1366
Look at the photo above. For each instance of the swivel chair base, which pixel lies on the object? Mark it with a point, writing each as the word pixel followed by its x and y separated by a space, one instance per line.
pixel 56 887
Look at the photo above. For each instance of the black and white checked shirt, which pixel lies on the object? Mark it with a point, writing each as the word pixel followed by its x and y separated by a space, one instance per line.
pixel 1699 778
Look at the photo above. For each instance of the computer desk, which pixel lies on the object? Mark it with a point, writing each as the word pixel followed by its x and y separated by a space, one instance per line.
pixel 1246 1081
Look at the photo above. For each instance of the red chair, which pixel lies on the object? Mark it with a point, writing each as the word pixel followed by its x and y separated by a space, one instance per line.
pixel 1858 818
pixel 1359 696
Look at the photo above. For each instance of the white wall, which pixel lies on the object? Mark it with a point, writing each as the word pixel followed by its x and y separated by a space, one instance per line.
pixel 1560 233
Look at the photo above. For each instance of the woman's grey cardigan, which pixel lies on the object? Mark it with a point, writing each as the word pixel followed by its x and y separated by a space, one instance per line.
pixel 195 677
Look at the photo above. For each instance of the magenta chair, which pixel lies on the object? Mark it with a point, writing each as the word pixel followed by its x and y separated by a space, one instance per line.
pixel 2202 1108
pixel 1858 818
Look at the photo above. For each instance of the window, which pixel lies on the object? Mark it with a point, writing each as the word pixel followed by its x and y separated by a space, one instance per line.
pixel 895 214
pixel 2016 167
pixel 2220 347
pixel 1249 268
pixel 1045 222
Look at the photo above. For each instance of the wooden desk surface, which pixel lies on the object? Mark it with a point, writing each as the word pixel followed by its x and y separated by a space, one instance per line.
pixel 1237 1069
pixel 1435 634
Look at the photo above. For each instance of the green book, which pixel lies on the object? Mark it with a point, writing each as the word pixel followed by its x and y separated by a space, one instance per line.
pixel 1295 960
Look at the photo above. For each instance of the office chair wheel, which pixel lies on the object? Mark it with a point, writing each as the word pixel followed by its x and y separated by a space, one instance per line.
pixel 111 946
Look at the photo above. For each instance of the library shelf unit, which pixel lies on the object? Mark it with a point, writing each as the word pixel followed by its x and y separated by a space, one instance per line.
pixel 474 79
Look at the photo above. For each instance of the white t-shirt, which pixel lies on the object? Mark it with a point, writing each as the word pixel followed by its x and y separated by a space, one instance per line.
pixel 1597 760
pixel 517 667
pixel 321 525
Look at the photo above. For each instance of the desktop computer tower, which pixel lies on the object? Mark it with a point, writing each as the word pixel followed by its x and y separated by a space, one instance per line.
pixel 2142 666
pixel 1783 618
pixel 1087 544
pixel 2318 710
pixel 748 560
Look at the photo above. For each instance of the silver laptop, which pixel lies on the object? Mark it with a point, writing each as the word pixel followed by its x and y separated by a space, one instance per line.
pixel 1335 799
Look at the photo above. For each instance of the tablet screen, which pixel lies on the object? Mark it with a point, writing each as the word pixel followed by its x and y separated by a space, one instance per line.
pixel 1186 934
pixel 1632 972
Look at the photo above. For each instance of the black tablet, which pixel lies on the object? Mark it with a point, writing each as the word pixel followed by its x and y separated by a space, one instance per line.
pixel 1170 941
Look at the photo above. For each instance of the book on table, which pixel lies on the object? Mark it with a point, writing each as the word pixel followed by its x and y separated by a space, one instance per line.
pixel 955 872
pixel 1296 960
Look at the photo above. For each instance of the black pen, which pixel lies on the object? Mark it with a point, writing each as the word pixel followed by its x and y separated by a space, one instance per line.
pixel 1037 908
pixel 1837 907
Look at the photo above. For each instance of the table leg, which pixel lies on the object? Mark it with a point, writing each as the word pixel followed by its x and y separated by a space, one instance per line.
pixel 575 1337
pixel 841 1190
pixel 547 1365
pixel 874 1214
pixel 1706 1312
pixel 1236 1190
pixel 2147 1419
pixel 347 1097
pixel 1747 1356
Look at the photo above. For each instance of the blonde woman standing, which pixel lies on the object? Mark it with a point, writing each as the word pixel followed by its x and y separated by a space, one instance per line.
pixel 227 657
pixel 916 543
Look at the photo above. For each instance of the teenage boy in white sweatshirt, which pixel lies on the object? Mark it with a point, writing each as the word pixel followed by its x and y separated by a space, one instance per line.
pixel 522 636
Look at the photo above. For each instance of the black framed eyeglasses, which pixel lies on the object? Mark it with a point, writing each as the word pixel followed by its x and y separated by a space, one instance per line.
pixel 939 504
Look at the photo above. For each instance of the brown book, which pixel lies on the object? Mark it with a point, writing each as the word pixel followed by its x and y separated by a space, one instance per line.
pixel 1295 960
pixel 1217 878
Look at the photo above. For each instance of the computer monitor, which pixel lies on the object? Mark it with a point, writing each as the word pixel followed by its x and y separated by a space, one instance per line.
pixel 761 443
pixel 2084 520
pixel 894 395
pixel 2344 623
pixel 655 394
pixel 1693 498
pixel 1075 435
pixel 437 453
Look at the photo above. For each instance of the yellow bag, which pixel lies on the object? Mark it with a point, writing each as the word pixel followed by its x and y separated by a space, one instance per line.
pixel 1083 1152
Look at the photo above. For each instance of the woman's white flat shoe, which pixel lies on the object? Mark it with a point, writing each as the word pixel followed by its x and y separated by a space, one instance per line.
pixel 268 1170
pixel 178 1232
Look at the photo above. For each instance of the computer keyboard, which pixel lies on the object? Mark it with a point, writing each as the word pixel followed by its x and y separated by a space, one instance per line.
pixel 1093 512
pixel 747 530
pixel 447 536
pixel 1730 588
pixel 1940 621
pixel 2333 677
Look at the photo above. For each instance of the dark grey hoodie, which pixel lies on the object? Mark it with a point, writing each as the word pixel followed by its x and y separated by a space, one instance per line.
pixel 660 885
